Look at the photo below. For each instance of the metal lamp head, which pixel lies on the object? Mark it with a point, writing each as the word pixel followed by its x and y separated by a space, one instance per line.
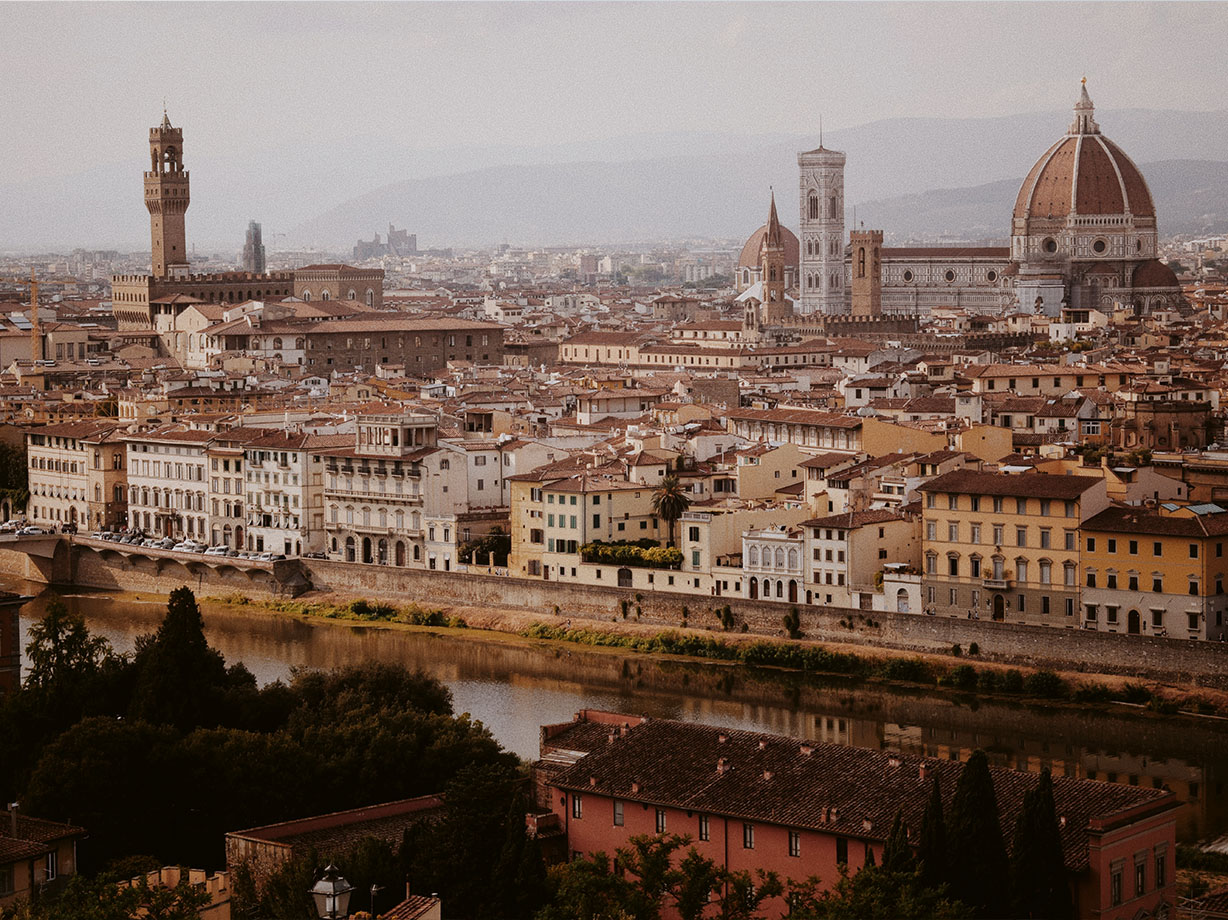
pixel 332 894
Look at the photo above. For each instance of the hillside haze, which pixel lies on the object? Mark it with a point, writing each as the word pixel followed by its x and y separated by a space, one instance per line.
pixel 642 187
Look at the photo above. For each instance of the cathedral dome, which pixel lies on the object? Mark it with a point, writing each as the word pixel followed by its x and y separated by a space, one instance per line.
pixel 1154 274
pixel 750 252
pixel 1084 174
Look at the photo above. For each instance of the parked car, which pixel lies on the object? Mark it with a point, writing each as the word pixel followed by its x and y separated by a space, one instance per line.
pixel 189 546
pixel 166 543
pixel 219 550
pixel 150 542
pixel 11 526
pixel 31 531
pixel 315 555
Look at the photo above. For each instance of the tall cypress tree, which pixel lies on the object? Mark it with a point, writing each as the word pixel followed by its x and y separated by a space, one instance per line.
pixel 979 871
pixel 1039 884
pixel 897 854
pixel 932 842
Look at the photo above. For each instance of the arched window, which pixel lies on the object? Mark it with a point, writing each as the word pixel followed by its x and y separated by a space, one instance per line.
pixel 353 295
pixel 325 294
pixel 370 298
pixel 831 208
pixel 813 206
pixel 861 261
pixel 753 555
pixel 307 299
pixel 780 558
pixel 277 344
pixel 792 559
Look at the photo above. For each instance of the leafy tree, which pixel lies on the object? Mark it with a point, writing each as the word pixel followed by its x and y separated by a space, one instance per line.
pixel 695 879
pixel 14 475
pixel 876 893
pixel 459 855
pixel 647 859
pixel 932 840
pixel 586 889
pixel 977 861
pixel 1039 885
pixel 61 650
pixel 745 893
pixel 669 502
pixel 179 676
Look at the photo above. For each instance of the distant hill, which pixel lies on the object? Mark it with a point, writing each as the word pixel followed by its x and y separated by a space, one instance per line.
pixel 649 186
pixel 725 195
pixel 1191 196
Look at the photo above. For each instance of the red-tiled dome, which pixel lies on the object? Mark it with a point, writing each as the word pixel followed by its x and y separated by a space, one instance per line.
pixel 750 252
pixel 1154 274
pixel 1084 173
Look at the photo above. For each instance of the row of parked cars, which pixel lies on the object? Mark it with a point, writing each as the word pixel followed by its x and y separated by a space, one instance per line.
pixel 22 529
pixel 182 546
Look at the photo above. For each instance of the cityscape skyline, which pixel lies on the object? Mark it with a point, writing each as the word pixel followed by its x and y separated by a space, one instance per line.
pixel 284 119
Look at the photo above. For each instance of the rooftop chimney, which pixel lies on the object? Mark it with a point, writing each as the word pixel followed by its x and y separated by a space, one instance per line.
pixel 722 738
pixel 807 749
pixel 722 765
pixel 13 807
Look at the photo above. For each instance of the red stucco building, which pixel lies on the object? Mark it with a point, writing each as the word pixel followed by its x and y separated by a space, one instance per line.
pixel 801 808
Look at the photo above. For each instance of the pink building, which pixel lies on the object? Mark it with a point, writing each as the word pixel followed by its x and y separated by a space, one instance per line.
pixel 801 808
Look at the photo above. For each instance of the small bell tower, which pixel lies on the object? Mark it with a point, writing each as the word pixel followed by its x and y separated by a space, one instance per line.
pixel 772 260
pixel 166 198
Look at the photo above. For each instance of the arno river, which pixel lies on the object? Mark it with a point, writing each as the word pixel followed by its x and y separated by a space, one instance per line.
pixel 514 687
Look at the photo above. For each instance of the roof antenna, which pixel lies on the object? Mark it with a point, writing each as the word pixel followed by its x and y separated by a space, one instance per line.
pixel 820 130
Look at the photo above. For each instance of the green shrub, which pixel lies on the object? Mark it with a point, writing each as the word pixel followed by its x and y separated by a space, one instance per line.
pixel 956 650
pixel 988 681
pixel 964 677
pixel 1045 684
pixel 1092 693
pixel 973 648
pixel 1134 693
pixel 910 669
pixel 1011 682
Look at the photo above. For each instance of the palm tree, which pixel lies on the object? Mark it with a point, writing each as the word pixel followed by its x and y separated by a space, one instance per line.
pixel 670 502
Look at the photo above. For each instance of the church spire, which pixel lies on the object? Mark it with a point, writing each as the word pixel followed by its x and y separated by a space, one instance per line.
pixel 773 236
pixel 1084 114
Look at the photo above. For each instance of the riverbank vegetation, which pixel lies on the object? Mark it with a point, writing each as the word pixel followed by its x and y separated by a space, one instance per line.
pixel 358 611
pixel 161 752
pixel 815 658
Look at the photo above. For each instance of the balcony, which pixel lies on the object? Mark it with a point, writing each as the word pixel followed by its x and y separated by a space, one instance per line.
pixel 999 582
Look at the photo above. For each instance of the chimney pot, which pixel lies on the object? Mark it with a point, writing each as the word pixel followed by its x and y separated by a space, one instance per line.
pixel 722 738
pixel 807 750
pixel 767 774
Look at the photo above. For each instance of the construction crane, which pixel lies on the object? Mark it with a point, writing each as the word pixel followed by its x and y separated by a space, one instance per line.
pixel 36 339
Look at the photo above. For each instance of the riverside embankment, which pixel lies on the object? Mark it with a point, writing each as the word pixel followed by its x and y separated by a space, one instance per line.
pixel 85 563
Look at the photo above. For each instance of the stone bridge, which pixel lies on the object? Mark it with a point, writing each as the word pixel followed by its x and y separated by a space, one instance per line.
pixel 90 562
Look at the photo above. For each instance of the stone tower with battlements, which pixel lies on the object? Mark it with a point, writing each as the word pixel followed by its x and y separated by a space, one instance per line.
pixel 166 198
pixel 821 264
pixel 867 284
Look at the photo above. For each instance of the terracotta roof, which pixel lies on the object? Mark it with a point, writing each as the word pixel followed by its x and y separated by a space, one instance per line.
pixel 796 417
pixel 1025 485
pixel 1212 523
pixel 851 520
pixel 832 788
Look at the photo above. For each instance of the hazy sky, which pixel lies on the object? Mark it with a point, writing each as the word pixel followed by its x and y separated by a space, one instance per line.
pixel 82 80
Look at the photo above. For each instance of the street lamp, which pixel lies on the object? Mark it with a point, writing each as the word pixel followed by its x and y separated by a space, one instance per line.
pixel 332 894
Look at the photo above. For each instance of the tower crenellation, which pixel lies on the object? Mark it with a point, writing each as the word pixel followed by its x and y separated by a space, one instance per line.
pixel 166 198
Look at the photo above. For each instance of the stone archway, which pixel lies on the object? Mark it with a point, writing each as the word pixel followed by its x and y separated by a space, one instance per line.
pixel 999 607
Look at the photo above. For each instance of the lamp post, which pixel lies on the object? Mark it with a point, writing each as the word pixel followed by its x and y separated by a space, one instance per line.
pixel 332 894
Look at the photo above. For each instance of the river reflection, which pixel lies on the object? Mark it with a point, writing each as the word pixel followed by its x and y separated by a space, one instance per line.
pixel 516 687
